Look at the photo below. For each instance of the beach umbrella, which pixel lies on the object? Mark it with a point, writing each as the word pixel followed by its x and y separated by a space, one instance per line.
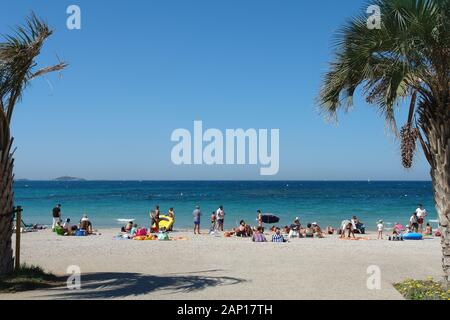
pixel 270 219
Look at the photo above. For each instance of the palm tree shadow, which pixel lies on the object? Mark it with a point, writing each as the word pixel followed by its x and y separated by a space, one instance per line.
pixel 110 285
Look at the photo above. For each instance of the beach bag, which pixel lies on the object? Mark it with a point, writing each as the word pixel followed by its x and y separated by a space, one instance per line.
pixel 59 230
pixel 80 233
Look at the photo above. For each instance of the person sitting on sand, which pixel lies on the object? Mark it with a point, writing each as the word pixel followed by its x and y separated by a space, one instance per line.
pixel 309 231
pixel 428 230
pixel 240 231
pixel 249 230
pixel 85 224
pixel 395 236
pixel 317 230
pixel 398 227
pixel 67 227
pixel 258 236
pixel 295 229
pixel 128 227
pixel 330 230
pixel 277 236
pixel 133 230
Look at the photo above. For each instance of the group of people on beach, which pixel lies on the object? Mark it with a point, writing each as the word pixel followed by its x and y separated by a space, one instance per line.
pixel 348 228
pixel 415 225
pixel 67 228
pixel 217 219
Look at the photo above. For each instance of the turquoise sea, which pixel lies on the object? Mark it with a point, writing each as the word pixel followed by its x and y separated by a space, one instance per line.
pixel 327 203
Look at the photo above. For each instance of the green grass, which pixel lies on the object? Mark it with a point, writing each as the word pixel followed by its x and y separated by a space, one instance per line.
pixel 28 277
pixel 422 290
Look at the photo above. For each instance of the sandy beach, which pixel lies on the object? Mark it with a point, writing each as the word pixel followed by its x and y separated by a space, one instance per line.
pixel 214 267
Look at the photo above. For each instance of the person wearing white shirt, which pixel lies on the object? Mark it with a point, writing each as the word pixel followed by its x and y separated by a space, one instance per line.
pixel 380 228
pixel 421 215
pixel 220 214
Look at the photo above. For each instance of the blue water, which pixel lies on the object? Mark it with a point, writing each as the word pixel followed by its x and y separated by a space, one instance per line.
pixel 327 203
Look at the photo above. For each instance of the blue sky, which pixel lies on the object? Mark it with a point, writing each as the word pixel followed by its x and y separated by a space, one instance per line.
pixel 140 69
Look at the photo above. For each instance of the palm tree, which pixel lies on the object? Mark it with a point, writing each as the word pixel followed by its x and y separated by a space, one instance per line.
pixel 408 57
pixel 17 69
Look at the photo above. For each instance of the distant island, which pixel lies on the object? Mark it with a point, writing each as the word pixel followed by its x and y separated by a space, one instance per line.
pixel 67 178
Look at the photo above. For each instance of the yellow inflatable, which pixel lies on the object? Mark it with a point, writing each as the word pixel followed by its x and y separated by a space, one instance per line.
pixel 164 222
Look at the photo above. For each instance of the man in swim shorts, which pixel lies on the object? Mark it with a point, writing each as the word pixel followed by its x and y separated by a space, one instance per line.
pixel 196 215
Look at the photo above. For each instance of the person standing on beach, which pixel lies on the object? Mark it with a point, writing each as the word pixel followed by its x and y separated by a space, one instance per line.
pixel 259 218
pixel 196 215
pixel 421 215
pixel 172 215
pixel 413 222
pixel 157 213
pixel 213 221
pixel 153 221
pixel 56 216
pixel 220 214
pixel 380 228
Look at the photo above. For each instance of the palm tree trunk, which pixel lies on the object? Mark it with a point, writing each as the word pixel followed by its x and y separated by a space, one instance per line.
pixel 439 143
pixel 6 208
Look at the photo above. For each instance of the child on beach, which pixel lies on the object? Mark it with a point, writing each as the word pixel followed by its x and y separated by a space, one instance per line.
pixel 380 228
pixel 428 230
pixel 213 222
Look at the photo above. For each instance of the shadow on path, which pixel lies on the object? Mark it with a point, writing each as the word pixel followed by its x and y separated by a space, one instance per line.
pixel 116 285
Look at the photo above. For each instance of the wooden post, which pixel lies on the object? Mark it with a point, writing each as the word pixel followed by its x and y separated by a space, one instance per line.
pixel 18 211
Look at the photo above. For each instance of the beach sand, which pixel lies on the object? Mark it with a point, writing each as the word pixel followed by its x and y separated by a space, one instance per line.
pixel 214 267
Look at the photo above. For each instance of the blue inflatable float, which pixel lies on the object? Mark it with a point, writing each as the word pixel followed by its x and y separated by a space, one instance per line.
pixel 412 236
